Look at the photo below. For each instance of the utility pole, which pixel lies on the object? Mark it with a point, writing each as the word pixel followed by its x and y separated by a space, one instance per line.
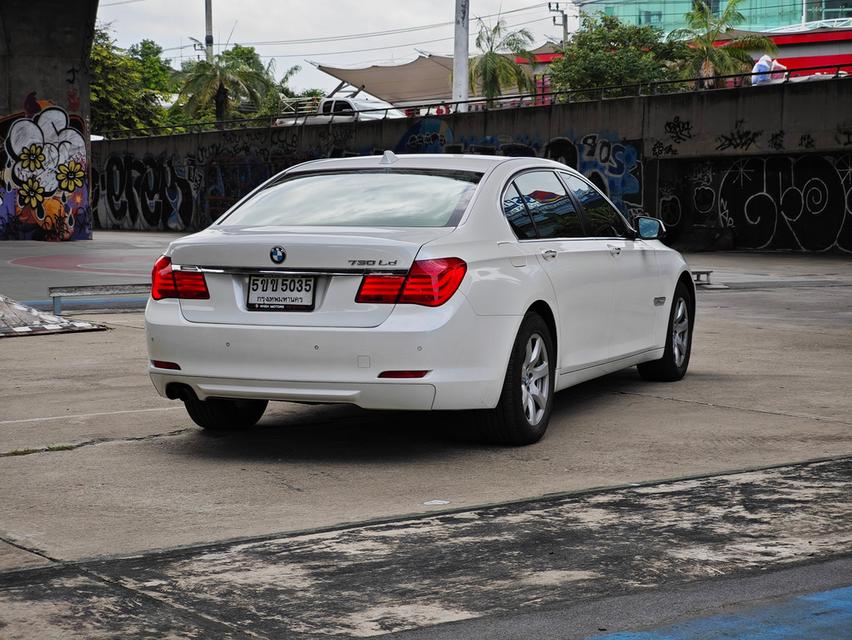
pixel 461 51
pixel 208 38
pixel 560 20
pixel 804 12
pixel 568 17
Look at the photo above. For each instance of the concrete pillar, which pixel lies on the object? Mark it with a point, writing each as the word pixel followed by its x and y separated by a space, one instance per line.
pixel 44 117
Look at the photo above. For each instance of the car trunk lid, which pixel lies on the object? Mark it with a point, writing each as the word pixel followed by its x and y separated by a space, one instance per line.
pixel 331 261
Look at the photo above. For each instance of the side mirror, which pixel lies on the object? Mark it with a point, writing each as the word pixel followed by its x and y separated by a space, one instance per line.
pixel 649 228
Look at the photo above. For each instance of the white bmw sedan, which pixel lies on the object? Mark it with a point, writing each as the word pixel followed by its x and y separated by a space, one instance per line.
pixel 416 282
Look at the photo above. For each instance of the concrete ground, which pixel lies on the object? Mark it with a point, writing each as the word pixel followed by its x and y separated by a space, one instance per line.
pixel 93 464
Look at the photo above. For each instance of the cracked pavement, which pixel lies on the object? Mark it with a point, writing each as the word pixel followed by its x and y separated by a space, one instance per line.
pixel 408 574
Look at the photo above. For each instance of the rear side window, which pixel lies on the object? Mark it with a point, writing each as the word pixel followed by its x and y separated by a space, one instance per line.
pixel 360 199
pixel 603 220
pixel 517 215
pixel 549 204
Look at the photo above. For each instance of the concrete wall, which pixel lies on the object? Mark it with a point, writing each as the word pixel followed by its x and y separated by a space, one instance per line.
pixel 44 111
pixel 757 167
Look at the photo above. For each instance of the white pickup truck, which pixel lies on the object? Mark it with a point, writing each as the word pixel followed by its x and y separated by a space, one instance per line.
pixel 342 110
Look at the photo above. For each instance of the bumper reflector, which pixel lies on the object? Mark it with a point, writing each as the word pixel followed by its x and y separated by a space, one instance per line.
pixel 164 364
pixel 403 374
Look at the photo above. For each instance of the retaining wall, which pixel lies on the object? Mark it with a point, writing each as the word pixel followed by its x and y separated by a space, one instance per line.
pixel 766 167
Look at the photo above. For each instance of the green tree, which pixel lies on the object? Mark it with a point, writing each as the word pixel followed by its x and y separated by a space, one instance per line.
pixel 119 98
pixel 607 52
pixel 234 76
pixel 157 72
pixel 280 98
pixel 702 58
pixel 495 69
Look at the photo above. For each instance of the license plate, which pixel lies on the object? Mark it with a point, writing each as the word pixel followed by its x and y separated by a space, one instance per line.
pixel 280 293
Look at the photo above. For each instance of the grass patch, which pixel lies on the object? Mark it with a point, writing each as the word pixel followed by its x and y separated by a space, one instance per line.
pixel 60 447
pixel 50 447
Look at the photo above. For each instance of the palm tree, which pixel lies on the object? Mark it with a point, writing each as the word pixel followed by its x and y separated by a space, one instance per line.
pixel 495 68
pixel 221 81
pixel 703 29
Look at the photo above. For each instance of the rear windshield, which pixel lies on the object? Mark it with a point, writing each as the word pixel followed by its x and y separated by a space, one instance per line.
pixel 360 199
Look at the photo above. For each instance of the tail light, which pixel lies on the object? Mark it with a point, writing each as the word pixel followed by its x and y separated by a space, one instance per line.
pixel 380 289
pixel 429 283
pixel 168 283
pixel 432 282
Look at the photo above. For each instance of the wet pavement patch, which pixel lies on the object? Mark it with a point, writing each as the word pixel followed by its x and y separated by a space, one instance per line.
pixel 380 578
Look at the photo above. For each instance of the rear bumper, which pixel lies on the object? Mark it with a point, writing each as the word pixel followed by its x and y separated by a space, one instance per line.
pixel 465 355
pixel 412 396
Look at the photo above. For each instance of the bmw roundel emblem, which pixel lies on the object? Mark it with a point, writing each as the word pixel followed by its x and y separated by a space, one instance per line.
pixel 278 255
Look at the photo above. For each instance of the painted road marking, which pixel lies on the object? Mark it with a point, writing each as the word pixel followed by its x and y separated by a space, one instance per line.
pixel 826 615
pixel 89 415
pixel 102 264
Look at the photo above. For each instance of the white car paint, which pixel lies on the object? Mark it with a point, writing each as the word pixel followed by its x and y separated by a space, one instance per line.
pixel 600 291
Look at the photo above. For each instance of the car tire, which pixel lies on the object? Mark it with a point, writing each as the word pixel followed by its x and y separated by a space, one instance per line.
pixel 219 414
pixel 675 361
pixel 526 401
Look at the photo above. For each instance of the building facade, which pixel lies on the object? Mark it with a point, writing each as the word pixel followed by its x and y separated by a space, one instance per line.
pixel 760 15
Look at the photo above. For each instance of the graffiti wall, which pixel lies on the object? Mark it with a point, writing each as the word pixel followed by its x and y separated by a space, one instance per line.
pixel 185 190
pixel 44 179
pixel 799 202
pixel 725 168
pixel 44 114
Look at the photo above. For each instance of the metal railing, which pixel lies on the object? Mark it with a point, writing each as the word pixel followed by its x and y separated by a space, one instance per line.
pixel 514 101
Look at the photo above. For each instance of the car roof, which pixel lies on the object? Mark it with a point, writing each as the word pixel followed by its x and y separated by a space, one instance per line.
pixel 445 161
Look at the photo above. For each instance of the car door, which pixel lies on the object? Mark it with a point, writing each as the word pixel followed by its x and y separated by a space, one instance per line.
pixel 633 274
pixel 550 231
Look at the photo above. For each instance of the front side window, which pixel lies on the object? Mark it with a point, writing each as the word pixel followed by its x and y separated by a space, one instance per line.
pixel 341 106
pixel 602 219
pixel 380 198
pixel 549 204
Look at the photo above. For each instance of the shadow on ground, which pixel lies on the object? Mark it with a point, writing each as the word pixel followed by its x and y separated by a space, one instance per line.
pixel 334 433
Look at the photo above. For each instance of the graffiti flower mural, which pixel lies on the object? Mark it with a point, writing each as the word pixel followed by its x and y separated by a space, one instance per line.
pixel 70 176
pixel 32 157
pixel 44 186
pixel 31 194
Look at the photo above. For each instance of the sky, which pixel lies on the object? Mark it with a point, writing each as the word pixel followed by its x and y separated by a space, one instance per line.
pixel 171 23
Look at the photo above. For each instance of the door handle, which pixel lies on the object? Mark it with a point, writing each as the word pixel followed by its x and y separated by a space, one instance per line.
pixel 549 254
pixel 614 250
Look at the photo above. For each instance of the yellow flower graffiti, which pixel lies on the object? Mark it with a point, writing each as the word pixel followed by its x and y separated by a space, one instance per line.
pixel 32 157
pixel 31 193
pixel 70 176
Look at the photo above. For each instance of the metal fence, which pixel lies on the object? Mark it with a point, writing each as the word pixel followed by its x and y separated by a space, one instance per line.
pixel 515 101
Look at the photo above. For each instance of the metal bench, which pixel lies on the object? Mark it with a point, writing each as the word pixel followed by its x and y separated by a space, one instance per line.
pixel 702 276
pixel 57 293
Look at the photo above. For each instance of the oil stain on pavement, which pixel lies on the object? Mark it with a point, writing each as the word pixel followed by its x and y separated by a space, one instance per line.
pixel 407 574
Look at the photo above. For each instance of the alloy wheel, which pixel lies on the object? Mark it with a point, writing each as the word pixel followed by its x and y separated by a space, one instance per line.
pixel 535 379
pixel 680 332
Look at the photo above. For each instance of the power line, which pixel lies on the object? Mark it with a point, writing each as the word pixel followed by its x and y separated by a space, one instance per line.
pixel 373 34
pixel 396 46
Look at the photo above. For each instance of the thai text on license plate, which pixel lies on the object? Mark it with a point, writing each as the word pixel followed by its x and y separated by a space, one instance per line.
pixel 280 293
